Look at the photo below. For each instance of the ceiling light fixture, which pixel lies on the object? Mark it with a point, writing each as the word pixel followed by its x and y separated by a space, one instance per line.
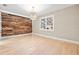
pixel 33 14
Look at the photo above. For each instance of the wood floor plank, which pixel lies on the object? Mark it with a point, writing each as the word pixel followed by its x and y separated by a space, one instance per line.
pixel 36 45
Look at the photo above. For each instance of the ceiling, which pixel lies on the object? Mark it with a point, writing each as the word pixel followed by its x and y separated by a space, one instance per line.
pixel 41 9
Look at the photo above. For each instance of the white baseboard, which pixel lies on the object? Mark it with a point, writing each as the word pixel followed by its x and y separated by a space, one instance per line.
pixel 51 37
pixel 15 35
pixel 57 38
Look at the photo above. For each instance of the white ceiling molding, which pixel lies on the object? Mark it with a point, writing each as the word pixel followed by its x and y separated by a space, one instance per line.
pixel 13 13
pixel 41 9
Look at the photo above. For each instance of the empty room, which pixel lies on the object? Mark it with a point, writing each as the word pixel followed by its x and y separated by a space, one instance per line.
pixel 39 29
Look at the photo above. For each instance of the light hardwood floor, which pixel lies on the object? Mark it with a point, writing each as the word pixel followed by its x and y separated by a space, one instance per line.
pixel 36 45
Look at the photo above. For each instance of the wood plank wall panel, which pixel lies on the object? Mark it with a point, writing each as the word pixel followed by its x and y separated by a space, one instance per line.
pixel 14 25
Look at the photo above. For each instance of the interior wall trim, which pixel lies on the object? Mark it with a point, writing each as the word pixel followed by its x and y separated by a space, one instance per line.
pixel 57 38
pixel 14 36
pixel 13 13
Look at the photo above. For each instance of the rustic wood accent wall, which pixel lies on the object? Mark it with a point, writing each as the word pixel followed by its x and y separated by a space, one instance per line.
pixel 14 25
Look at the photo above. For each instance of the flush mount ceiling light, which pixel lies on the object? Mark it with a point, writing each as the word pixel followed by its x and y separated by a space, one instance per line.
pixel 28 7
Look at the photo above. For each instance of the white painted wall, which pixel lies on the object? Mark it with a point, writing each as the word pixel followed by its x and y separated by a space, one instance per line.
pixel 66 24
